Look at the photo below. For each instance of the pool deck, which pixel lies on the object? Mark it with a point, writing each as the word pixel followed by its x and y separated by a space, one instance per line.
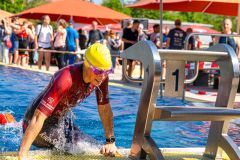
pixel 169 154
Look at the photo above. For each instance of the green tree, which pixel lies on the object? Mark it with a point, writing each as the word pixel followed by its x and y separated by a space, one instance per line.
pixel 35 3
pixel 117 6
pixel 16 6
pixel 141 13
pixel 13 6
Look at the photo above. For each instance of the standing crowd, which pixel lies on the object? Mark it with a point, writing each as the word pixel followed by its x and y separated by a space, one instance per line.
pixel 16 38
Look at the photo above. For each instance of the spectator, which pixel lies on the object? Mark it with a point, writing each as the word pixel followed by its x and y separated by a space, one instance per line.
pixel 234 42
pixel 7 31
pixel 106 34
pixel 13 51
pixel 1 40
pixel 214 41
pixel 191 46
pixel 24 34
pixel 114 43
pixel 191 42
pixel 199 42
pixel 142 35
pixel 118 59
pixel 72 43
pixel 95 35
pixel 31 44
pixel 60 42
pixel 82 39
pixel 129 23
pixel 130 37
pixel 155 36
pixel 176 37
pixel 44 40
pixel 165 33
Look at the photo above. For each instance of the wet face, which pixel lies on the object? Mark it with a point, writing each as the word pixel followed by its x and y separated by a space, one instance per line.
pixel 92 78
pixel 96 80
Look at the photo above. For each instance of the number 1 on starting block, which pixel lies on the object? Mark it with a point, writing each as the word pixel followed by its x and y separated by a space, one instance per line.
pixel 175 76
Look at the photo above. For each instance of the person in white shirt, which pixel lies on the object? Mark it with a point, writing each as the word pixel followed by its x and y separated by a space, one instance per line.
pixel 44 40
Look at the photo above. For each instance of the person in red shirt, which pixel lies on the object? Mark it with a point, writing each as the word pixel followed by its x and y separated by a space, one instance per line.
pixel 24 35
pixel 199 42
pixel 46 123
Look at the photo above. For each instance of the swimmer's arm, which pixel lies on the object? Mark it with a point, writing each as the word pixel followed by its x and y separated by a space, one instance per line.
pixel 31 132
pixel 106 115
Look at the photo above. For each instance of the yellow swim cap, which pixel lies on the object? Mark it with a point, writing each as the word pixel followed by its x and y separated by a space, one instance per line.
pixel 99 56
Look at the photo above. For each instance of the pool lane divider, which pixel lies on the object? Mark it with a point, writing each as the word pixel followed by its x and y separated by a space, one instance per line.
pixel 120 85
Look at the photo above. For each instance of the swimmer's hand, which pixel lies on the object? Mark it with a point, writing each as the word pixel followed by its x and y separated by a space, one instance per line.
pixel 110 149
pixel 21 157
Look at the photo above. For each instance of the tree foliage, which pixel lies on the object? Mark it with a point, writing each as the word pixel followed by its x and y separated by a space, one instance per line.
pixel 117 6
pixel 16 6
pixel 35 3
pixel 13 6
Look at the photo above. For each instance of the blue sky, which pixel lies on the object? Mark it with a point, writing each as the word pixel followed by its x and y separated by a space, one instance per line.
pixel 98 1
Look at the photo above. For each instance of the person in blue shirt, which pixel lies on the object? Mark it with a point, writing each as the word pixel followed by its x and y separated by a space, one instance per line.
pixel 233 41
pixel 72 42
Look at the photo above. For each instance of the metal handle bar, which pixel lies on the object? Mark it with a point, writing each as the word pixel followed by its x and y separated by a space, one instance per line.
pixel 187 81
pixel 81 52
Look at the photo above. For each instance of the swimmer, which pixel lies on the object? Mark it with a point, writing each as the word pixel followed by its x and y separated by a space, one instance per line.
pixel 6 118
pixel 46 123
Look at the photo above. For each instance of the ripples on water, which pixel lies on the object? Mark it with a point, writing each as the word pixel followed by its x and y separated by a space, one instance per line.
pixel 19 87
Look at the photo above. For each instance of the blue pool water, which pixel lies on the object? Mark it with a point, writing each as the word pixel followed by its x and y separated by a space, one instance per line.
pixel 19 87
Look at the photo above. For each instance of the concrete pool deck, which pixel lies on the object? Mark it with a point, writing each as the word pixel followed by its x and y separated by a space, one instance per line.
pixel 169 154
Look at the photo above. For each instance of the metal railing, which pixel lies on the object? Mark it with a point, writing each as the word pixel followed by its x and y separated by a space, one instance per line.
pixel 196 63
pixel 143 145
pixel 187 81
pixel 81 52
pixel 186 43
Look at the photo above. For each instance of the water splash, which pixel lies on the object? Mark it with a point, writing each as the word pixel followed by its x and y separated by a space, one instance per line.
pixel 85 147
pixel 11 135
